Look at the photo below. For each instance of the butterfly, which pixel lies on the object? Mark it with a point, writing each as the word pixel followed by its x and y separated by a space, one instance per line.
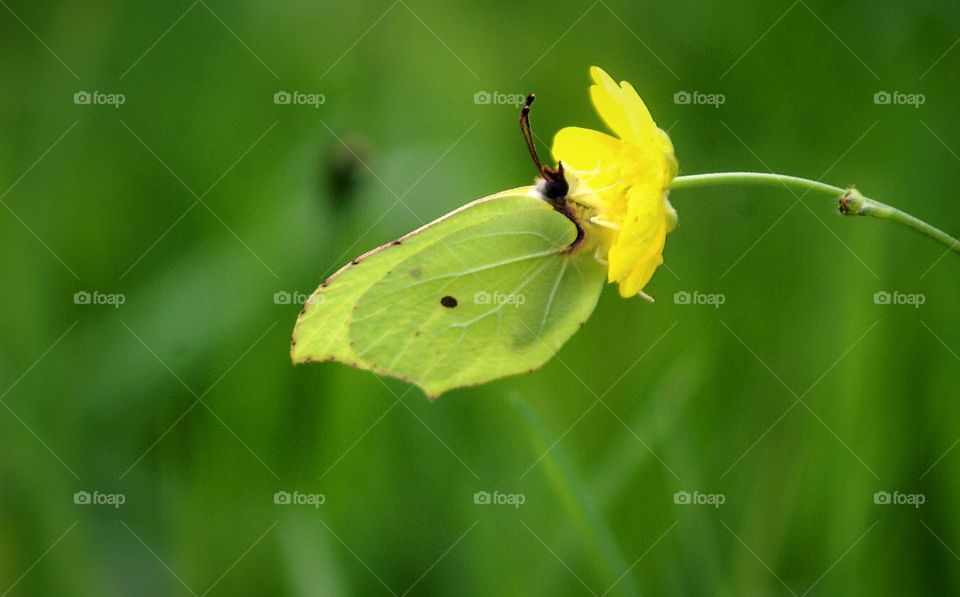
pixel 492 289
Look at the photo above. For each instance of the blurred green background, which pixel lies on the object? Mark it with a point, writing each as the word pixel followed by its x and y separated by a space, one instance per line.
pixel 209 210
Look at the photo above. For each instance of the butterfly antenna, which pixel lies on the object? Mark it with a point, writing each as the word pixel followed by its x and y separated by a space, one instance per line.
pixel 554 185
pixel 528 132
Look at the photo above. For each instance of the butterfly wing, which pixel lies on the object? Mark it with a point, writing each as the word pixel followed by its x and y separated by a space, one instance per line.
pixel 484 292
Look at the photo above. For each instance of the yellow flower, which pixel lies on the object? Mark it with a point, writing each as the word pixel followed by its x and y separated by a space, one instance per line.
pixel 623 181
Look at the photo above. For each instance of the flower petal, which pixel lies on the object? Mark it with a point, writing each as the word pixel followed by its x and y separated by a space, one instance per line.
pixel 622 109
pixel 643 129
pixel 666 146
pixel 583 150
pixel 607 100
pixel 637 250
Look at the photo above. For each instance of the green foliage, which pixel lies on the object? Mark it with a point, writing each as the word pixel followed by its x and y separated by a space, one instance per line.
pixel 694 397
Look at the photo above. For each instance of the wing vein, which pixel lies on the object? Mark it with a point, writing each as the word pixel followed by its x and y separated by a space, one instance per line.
pixel 482 268
pixel 553 293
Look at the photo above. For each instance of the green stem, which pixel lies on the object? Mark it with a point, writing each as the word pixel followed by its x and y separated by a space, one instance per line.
pixel 851 201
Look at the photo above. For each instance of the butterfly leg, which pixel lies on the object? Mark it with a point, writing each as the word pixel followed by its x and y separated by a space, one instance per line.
pixel 604 223
pixel 598 255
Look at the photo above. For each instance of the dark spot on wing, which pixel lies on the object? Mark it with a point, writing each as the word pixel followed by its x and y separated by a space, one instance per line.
pixel 355 261
pixel 415 272
pixel 449 302
pixel 397 242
